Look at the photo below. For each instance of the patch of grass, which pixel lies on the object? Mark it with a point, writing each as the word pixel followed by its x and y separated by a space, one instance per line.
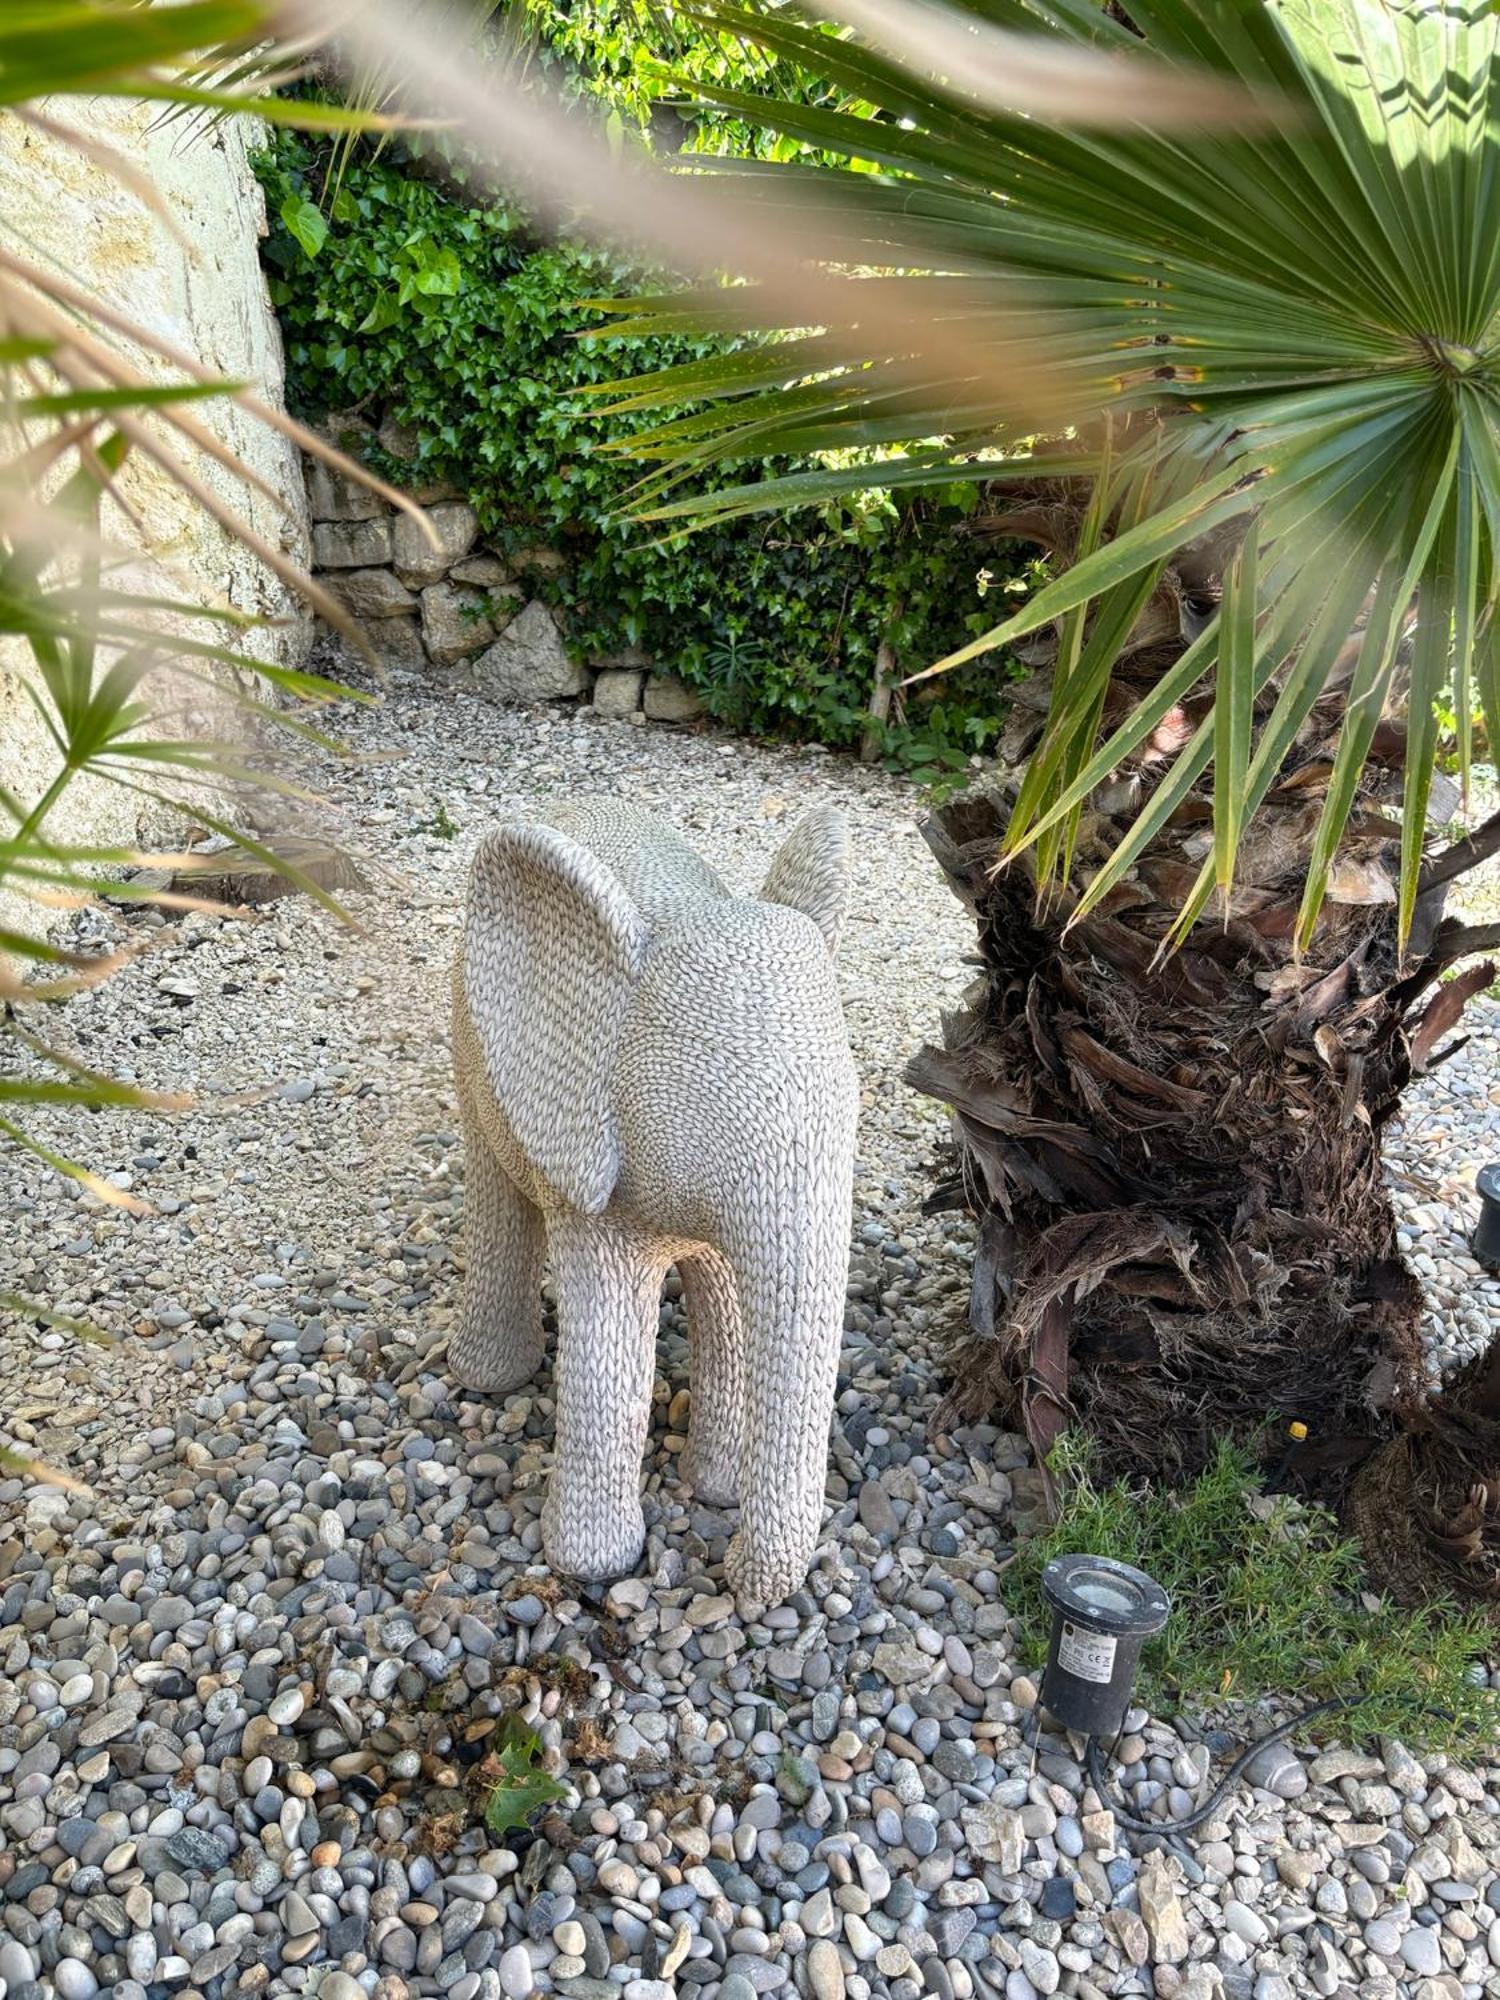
pixel 1269 1599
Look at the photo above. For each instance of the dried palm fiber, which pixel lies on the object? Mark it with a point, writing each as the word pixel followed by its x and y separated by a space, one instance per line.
pixel 1426 1505
pixel 1183 1226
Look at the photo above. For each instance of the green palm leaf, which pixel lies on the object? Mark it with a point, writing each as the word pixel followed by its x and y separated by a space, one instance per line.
pixel 1292 323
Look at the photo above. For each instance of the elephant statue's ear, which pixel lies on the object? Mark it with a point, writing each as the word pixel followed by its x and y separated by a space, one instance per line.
pixel 811 872
pixel 553 947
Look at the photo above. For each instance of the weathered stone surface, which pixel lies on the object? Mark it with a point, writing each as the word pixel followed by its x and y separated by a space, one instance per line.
pixel 403 441
pixel 453 522
pixel 617 691
pixel 529 662
pixel 1130 1934
pixel 539 562
pixel 331 496
pixel 399 440
pixel 902 1666
pixel 351 544
pixel 186 268
pixel 1161 1910
pixel 395 642
pixel 670 700
pixel 370 593
pixel 349 433
pixel 482 568
pixel 457 622
pixel 825 1971
pixel 1277 1769
pixel 995 1833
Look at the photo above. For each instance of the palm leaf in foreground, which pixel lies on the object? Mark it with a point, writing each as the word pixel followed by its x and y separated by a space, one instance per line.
pixel 1210 916
pixel 1295 329
pixel 103 663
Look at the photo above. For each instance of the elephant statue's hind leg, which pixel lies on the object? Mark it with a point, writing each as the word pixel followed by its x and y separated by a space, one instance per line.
pixel 499 1343
pixel 716 1428
pixel 609 1278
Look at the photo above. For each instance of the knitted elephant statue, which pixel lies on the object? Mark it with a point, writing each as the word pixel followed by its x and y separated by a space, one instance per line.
pixel 652 1071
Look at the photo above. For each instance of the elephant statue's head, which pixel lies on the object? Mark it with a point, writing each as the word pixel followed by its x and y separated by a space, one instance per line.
pixel 632 1013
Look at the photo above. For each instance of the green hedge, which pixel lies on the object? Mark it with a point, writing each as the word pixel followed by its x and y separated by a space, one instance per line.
pixel 454 319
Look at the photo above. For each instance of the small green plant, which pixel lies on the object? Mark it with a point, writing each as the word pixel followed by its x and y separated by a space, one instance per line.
pixel 515 1783
pixel 482 608
pixel 1268 1599
pixel 441 825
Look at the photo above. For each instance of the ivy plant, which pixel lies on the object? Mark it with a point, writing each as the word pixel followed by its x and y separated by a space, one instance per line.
pixel 475 335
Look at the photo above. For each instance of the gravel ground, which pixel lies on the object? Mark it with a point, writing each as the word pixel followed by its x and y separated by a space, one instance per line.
pixel 248 1680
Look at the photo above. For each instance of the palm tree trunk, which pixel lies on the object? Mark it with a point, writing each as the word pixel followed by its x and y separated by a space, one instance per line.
pixel 1183 1227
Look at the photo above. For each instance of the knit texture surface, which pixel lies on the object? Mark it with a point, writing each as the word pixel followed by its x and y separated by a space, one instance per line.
pixel 654 1072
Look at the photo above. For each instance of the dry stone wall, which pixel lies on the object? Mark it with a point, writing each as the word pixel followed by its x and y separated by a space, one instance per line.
pixel 187 270
pixel 458 611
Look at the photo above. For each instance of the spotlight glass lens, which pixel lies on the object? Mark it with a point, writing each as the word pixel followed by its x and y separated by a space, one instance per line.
pixel 1102 1592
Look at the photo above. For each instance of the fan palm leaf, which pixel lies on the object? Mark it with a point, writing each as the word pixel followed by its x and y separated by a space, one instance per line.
pixel 1292 327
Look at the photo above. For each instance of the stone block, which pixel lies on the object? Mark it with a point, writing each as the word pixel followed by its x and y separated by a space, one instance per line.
pixel 395 642
pixel 427 493
pixel 332 496
pixel 529 662
pixel 617 691
pixel 351 544
pixel 370 593
pixel 457 622
pixel 454 525
pixel 670 700
pixel 347 431
pixel 482 568
pixel 540 562
pixel 399 440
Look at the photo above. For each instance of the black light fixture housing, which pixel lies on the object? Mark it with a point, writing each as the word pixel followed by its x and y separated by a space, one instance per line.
pixel 1485 1241
pixel 1103 1612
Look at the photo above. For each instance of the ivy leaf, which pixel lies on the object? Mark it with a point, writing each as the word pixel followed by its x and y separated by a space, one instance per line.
pixel 440 276
pixel 518 1786
pixel 306 222
pixel 385 312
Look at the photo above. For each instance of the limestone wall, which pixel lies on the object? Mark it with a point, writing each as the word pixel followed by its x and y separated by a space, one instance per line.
pixel 202 289
pixel 461 614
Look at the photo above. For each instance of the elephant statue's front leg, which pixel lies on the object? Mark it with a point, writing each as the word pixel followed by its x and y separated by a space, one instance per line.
pixel 716 1427
pixel 609 1278
pixel 789 1247
pixel 500 1342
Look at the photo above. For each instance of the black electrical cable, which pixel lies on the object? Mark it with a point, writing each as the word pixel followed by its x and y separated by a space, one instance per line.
pixel 1189 1821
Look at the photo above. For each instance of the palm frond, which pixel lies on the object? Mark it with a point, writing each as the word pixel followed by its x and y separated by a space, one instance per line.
pixel 1293 326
